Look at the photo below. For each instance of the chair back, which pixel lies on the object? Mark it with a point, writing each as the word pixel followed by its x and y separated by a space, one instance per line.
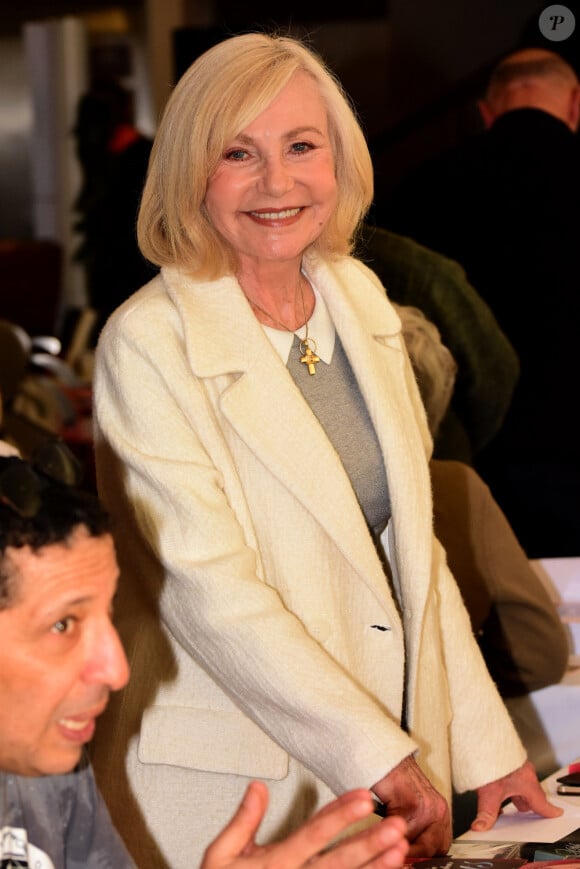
pixel 15 351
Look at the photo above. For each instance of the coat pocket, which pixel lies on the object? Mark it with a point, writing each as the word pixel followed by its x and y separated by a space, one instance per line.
pixel 210 741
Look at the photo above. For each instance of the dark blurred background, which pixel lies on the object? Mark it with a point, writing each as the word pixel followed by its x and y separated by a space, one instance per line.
pixel 412 67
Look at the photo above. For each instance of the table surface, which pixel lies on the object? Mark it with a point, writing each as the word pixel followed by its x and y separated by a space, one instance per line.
pixel 514 826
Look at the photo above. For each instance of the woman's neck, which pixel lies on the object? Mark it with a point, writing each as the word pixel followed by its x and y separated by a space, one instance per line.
pixel 280 298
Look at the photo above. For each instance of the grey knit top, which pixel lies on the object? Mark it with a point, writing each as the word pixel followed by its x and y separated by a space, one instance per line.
pixel 335 398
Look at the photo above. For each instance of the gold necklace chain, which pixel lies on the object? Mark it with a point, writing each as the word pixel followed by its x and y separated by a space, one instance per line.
pixel 307 344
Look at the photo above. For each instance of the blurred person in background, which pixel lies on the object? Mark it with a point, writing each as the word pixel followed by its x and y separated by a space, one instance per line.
pixel 506 205
pixel 113 155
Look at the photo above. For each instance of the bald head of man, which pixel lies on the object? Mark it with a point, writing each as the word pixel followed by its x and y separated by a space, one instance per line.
pixel 533 78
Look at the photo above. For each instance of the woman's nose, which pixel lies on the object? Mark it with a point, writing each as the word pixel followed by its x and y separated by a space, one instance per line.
pixel 276 177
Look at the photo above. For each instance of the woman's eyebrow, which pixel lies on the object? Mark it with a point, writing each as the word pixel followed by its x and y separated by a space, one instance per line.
pixel 244 139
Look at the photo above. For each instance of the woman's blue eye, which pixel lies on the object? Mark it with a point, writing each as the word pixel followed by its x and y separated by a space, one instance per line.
pixel 62 626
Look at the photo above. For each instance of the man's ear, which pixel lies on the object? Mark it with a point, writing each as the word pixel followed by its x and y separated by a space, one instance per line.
pixel 574 109
pixel 488 115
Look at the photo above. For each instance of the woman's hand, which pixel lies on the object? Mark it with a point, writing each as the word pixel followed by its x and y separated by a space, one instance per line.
pixel 407 792
pixel 524 789
pixel 381 845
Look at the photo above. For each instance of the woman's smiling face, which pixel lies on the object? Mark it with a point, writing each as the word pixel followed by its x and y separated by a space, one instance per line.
pixel 275 186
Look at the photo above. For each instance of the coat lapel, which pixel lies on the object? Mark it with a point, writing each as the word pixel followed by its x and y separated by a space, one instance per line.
pixel 226 345
pixel 370 331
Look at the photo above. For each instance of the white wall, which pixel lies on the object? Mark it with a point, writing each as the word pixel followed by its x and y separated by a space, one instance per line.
pixel 57 67
pixel 15 130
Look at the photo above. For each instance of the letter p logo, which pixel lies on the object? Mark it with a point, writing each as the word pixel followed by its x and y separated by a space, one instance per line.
pixel 556 23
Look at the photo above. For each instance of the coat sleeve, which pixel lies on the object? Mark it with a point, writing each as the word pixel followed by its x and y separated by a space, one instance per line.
pixel 523 623
pixel 475 762
pixel 157 476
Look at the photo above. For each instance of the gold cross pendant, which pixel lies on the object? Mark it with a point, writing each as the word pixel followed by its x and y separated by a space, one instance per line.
pixel 309 358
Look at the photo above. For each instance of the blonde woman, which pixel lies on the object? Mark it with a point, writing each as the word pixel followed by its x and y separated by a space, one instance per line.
pixel 262 444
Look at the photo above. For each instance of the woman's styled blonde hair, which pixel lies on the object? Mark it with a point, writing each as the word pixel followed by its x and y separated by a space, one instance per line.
pixel 222 92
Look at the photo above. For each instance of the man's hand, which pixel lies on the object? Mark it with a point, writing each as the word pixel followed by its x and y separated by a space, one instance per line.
pixel 522 787
pixel 407 792
pixel 381 845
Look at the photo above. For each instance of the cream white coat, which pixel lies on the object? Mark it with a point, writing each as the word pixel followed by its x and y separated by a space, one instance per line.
pixel 263 636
